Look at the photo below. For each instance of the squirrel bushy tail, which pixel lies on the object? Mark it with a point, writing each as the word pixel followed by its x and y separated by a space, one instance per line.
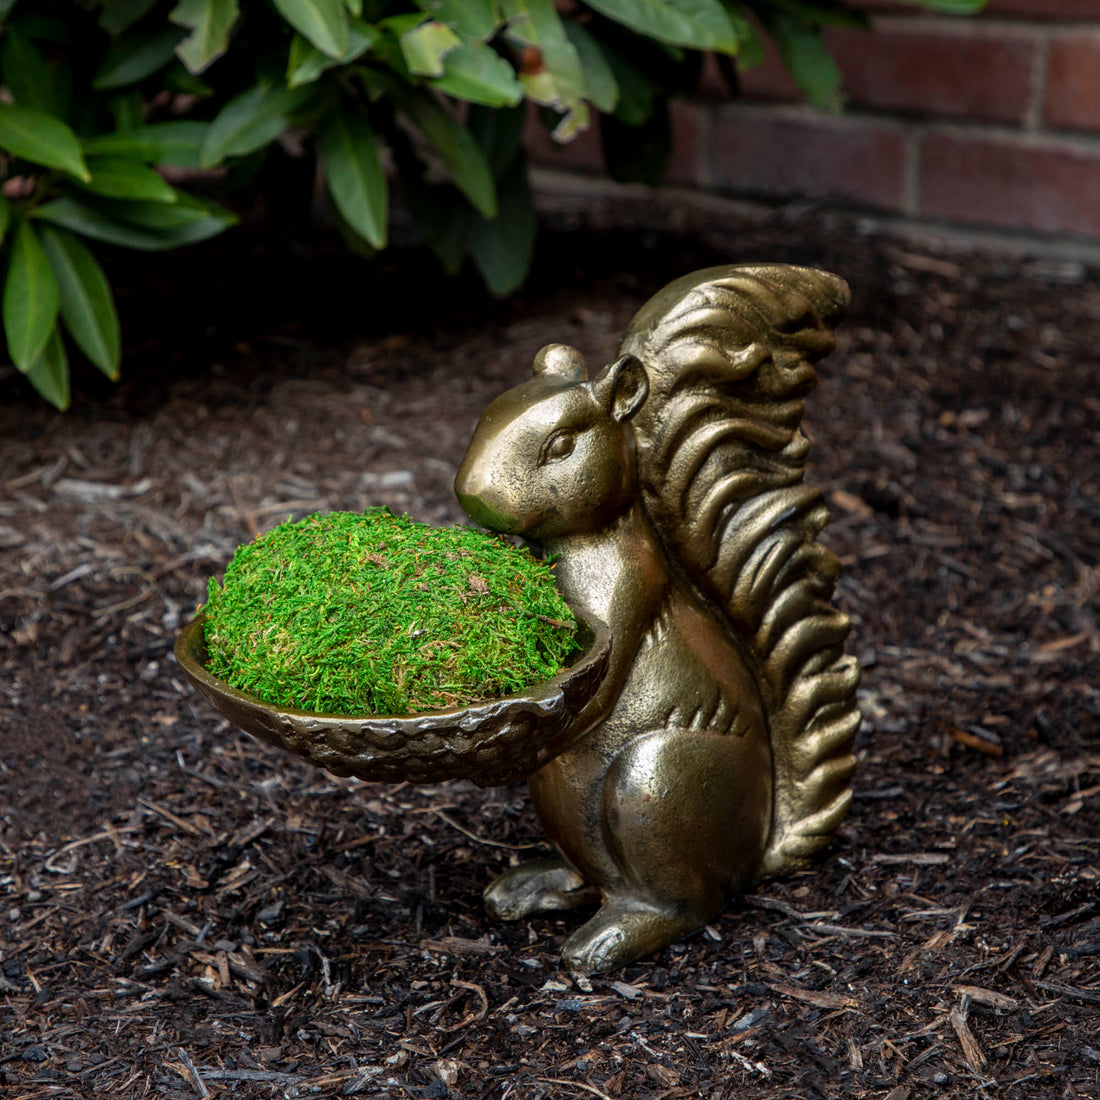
pixel 729 353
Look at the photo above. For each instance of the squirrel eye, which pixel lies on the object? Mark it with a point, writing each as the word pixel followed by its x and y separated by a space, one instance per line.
pixel 559 445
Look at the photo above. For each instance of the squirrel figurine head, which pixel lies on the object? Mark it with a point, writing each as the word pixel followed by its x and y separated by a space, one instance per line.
pixel 553 456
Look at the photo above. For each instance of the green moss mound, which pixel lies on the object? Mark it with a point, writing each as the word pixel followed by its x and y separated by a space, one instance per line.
pixel 370 613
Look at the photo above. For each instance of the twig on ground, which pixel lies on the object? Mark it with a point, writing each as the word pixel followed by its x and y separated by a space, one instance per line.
pixel 196 1077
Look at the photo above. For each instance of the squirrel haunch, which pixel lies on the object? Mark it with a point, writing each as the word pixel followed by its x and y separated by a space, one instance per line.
pixel 670 487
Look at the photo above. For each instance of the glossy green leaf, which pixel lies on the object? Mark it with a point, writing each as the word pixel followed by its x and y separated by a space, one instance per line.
pixel 397 25
pixel 377 83
pixel 355 7
pixel 30 298
pixel 177 143
pixel 5 217
pixel 5 8
pixel 87 305
pixel 26 73
pixel 600 86
pixel 354 175
pixel 250 121
pixel 825 13
pixel 751 54
pixel 457 149
pixel 136 225
pixel 179 79
pixel 557 80
pixel 803 53
pixel 503 248
pixel 323 22
pixel 118 15
pixel 307 63
pixel 41 139
pixel 244 171
pixel 391 71
pixel 499 135
pixel 37 23
pixel 209 22
pixel 353 242
pixel 743 28
pixel 426 45
pixel 136 55
pixel 184 214
pixel 126 178
pixel 478 74
pixel 362 36
pixel 697 24
pixel 49 373
pixel 127 109
pixel 443 217
pixel 636 92
pixel 471 20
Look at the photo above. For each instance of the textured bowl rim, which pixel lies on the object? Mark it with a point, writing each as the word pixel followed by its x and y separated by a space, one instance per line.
pixel 190 652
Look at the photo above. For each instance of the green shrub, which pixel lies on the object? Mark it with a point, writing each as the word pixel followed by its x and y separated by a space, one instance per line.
pixel 371 613
pixel 100 96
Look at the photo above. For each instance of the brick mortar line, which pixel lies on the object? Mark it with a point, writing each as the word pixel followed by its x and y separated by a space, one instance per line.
pixel 1036 141
pixel 979 25
pixel 550 184
pixel 856 119
pixel 704 172
pixel 1040 70
pixel 800 112
pixel 910 180
pixel 1030 243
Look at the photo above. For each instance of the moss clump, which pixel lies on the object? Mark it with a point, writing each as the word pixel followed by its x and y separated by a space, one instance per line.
pixel 372 613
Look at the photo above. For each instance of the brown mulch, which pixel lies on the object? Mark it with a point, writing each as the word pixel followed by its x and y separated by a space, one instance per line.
pixel 186 913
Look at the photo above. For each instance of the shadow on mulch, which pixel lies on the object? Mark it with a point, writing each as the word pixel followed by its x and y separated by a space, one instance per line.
pixel 188 914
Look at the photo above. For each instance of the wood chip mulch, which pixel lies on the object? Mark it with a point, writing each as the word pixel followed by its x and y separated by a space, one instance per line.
pixel 185 913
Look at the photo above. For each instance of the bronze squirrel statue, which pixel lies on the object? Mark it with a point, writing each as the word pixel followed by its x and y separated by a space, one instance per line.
pixel 719 748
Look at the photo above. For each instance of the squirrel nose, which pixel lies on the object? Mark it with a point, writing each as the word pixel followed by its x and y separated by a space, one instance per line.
pixel 483 513
pixel 477 511
pixel 483 503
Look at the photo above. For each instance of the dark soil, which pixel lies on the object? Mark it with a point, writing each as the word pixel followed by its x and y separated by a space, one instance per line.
pixel 187 913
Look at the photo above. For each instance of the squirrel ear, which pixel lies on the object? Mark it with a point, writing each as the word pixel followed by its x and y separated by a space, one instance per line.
pixel 622 387
pixel 562 360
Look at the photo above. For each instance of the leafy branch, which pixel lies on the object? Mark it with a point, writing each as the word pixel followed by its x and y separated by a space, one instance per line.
pixel 105 102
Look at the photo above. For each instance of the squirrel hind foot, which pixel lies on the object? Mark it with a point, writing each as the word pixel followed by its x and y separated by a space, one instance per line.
pixel 536 886
pixel 618 935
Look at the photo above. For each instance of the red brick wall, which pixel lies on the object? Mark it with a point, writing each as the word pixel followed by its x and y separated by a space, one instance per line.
pixel 989 122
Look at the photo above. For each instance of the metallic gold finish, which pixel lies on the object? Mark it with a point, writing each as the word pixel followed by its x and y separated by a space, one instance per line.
pixel 718 746
pixel 501 741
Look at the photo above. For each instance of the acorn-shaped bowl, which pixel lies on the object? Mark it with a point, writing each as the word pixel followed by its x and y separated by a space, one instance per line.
pixel 496 742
